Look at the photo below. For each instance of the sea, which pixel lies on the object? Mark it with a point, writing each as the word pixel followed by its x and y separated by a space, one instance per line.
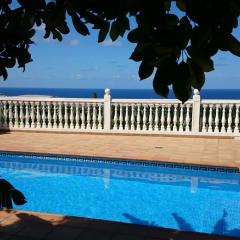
pixel 115 93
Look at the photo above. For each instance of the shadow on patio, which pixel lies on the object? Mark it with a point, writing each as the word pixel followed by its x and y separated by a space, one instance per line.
pixel 31 226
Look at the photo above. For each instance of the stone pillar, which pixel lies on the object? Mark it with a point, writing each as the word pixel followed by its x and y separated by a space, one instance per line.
pixel 107 109
pixel 196 111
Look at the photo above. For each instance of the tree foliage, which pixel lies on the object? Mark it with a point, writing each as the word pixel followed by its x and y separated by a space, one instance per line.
pixel 176 50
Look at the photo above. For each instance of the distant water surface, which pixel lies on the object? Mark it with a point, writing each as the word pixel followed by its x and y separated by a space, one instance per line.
pixel 116 93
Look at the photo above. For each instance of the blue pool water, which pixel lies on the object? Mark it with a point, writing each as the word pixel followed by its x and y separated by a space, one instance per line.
pixel 163 195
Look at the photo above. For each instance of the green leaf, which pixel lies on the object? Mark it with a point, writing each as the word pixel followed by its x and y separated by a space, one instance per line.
pixel 185 29
pixel 197 77
pixel 4 73
pixel 182 86
pixel 134 36
pixel 62 27
pixel 204 62
pixel 172 20
pixel 181 4
pixel 167 5
pixel 47 33
pixel 234 45
pixel 9 62
pixel 103 32
pixel 165 75
pixel 160 85
pixel 114 32
pixel 136 56
pixel 57 35
pixel 79 25
pixel 123 24
pixel 145 70
pixel 31 33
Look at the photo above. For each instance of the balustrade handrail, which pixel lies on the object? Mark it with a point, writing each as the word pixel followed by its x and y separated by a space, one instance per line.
pixel 196 116
pixel 220 101
pixel 149 101
pixel 51 99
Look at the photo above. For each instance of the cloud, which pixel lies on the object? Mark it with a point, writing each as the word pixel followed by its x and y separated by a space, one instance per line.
pixel 78 76
pixel 134 76
pixel 110 43
pixel 116 76
pixel 73 42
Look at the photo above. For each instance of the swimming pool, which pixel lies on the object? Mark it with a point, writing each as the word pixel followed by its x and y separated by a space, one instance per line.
pixel 195 198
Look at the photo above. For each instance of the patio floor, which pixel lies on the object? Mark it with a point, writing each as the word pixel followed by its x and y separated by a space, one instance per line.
pixel 222 151
pixel 196 150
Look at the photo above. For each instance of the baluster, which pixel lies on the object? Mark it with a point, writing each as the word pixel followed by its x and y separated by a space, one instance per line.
pixel 223 118
pixel 204 119
pixel 65 115
pixel 115 117
pixel 83 116
pixel 38 116
pixel 10 114
pixel 27 125
pixel 88 117
pixel 32 115
pixel 236 122
pixel 229 126
pixel 181 119
pixel 1 114
pixel 175 118
pixel 21 115
pixel 162 128
pixel 187 119
pixel 5 113
pixel 60 117
pixel 44 125
pixel 16 122
pixel 77 126
pixel 49 116
pixel 138 117
pixel 216 129
pixel 144 118
pixel 54 115
pixel 150 128
pixel 99 126
pixel 168 118
pixel 210 119
pixel 132 118
pixel 127 127
pixel 71 116
pixel 121 118
pixel 156 119
pixel 94 117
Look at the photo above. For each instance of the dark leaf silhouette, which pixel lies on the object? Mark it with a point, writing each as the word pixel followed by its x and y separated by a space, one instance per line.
pixel 8 194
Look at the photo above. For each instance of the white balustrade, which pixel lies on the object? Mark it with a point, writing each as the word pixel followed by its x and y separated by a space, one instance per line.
pixel 210 117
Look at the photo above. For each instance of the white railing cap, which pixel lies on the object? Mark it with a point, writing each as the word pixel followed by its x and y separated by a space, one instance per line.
pixel 50 99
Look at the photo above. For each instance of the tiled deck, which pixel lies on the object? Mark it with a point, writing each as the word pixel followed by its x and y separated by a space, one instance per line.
pixel 31 226
pixel 195 150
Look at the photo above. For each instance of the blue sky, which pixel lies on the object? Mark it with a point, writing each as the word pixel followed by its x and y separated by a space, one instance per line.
pixel 80 62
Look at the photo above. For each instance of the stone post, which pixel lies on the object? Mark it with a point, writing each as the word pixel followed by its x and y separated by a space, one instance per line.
pixel 196 111
pixel 107 109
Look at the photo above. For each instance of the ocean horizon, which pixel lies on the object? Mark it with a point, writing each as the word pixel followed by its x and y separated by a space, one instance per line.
pixel 116 93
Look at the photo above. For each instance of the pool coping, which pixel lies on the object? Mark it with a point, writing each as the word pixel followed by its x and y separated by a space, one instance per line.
pixel 126 161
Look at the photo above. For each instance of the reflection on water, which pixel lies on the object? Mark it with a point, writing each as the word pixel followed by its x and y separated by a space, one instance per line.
pixel 191 178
